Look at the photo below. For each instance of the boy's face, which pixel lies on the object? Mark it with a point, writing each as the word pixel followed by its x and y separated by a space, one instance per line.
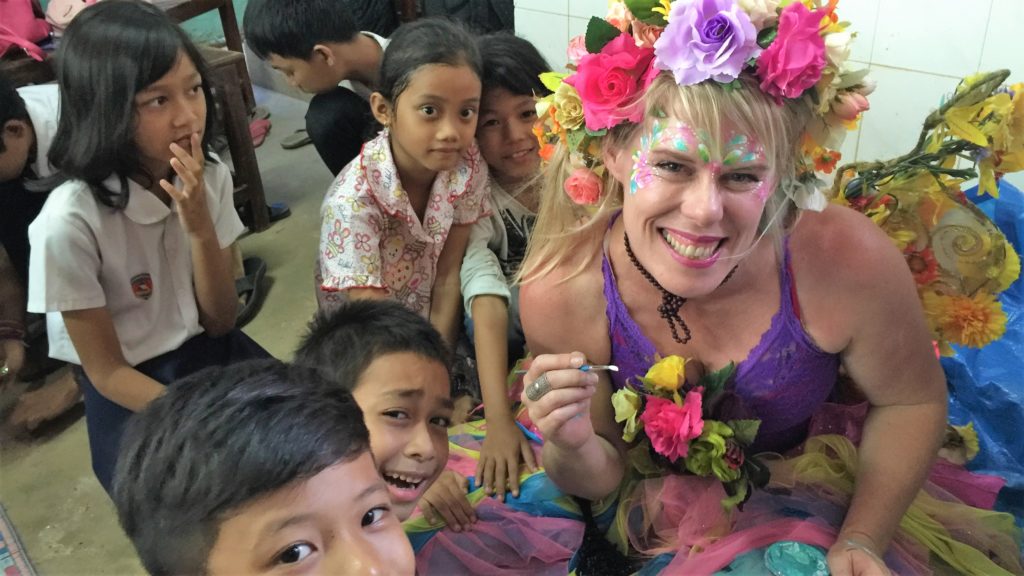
pixel 406 402
pixel 18 138
pixel 337 522
pixel 505 136
pixel 319 73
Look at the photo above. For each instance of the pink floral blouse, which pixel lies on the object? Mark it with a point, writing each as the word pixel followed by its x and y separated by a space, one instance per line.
pixel 370 237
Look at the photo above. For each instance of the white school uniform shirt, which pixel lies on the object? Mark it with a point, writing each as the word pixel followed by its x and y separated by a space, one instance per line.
pixel 136 262
pixel 359 88
pixel 42 102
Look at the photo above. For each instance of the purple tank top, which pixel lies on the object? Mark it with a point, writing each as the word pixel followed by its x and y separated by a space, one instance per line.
pixel 783 380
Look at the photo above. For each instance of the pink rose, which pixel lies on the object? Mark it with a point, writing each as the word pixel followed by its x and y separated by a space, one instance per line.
pixel 670 427
pixel 577 49
pixel 849 105
pixel 583 187
pixel 610 83
pixel 646 35
pixel 794 61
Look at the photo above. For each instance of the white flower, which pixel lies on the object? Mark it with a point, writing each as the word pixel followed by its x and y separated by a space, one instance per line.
pixel 837 48
pixel 762 12
pixel 618 15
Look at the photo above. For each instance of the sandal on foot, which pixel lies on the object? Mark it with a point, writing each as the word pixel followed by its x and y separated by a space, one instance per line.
pixel 297 139
pixel 250 289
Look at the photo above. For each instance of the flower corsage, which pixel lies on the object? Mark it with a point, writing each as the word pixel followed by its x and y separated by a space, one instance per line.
pixel 688 428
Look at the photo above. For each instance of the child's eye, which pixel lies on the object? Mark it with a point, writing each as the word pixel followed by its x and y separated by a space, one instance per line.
pixel 442 421
pixel 294 553
pixel 428 110
pixel 374 515
pixel 396 414
pixel 196 89
pixel 529 114
pixel 467 113
pixel 489 123
pixel 155 102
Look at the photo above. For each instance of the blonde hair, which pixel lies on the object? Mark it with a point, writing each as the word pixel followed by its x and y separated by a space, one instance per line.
pixel 564 227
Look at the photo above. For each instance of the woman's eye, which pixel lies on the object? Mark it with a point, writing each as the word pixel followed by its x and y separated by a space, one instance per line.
pixel 670 168
pixel 743 180
pixel 374 515
pixel 295 553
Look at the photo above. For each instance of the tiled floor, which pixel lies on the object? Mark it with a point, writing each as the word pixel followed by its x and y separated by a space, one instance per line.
pixel 65 520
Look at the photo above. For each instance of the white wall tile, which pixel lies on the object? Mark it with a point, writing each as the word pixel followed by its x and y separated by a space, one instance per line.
pixel 549 33
pixel 588 8
pixel 936 36
pixel 862 16
pixel 898 107
pixel 552 6
pixel 1002 40
pixel 1017 179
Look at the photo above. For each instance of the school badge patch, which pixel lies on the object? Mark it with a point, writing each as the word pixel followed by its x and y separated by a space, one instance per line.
pixel 142 286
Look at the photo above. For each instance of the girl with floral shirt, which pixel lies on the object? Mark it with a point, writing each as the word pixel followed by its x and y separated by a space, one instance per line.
pixel 396 221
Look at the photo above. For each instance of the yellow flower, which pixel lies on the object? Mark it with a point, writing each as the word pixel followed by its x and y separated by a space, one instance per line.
pixel 667 374
pixel 1011 269
pixel 966 320
pixel 663 8
pixel 626 403
pixel 970 438
pixel 568 107
pixel 987 177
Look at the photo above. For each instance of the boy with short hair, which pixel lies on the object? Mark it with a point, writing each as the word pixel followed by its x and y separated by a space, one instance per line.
pixel 317 46
pixel 395 363
pixel 254 468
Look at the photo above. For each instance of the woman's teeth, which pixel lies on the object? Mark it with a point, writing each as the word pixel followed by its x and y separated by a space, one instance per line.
pixel 691 251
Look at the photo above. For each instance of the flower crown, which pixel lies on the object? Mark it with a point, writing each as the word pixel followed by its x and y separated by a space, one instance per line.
pixel 790 47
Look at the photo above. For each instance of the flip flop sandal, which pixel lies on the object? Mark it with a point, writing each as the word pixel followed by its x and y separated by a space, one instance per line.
pixel 250 287
pixel 259 113
pixel 297 139
pixel 258 131
pixel 278 211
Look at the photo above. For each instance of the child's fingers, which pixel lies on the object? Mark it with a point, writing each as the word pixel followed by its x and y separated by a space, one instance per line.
pixel 197 149
pixel 188 177
pixel 527 451
pixel 185 157
pixel 513 476
pixel 459 502
pixel 500 469
pixel 172 190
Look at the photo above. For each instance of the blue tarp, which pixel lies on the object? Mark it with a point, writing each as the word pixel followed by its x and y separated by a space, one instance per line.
pixel 987 386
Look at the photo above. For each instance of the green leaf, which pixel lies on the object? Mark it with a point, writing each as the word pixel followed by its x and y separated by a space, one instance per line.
pixel 552 80
pixel 737 491
pixel 574 137
pixel 597 133
pixel 639 457
pixel 714 382
pixel 599 33
pixel 643 11
pixel 767 36
pixel 744 430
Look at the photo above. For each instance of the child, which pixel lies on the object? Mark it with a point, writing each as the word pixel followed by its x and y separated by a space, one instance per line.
pixel 130 255
pixel 511 83
pixel 316 45
pixel 257 468
pixel 396 220
pixel 395 364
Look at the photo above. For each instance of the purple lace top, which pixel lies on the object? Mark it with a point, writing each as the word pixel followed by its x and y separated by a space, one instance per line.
pixel 783 380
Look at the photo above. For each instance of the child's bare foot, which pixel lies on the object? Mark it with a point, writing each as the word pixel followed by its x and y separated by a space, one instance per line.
pixel 45 403
pixel 463 407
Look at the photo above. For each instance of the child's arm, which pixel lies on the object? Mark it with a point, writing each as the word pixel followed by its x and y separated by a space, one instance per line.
pixel 504 443
pixel 12 319
pixel 446 296
pixel 211 264
pixel 99 350
pixel 447 497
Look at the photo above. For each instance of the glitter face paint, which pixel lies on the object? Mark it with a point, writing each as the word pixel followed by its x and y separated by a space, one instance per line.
pixel 739 149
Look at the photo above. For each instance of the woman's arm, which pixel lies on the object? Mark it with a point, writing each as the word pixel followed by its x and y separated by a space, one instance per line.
pixel 99 349
pixel 446 295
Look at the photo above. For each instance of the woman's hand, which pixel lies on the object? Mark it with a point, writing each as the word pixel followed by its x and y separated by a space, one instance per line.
pixel 191 199
pixel 856 556
pixel 447 498
pixel 557 395
pixel 499 458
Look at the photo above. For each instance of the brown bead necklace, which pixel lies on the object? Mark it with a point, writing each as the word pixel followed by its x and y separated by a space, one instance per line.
pixel 671 303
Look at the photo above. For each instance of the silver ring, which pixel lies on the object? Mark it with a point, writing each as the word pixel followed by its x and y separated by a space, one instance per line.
pixel 4 370
pixel 538 388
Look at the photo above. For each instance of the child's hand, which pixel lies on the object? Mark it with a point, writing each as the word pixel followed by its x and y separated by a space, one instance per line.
pixel 447 498
pixel 12 358
pixel 499 458
pixel 191 200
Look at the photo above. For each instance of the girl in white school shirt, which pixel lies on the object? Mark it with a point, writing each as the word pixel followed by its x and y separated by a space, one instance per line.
pixel 130 255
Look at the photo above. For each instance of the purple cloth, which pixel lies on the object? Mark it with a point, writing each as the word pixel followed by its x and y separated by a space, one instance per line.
pixel 783 380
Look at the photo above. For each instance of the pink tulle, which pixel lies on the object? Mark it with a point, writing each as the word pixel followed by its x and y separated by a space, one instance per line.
pixel 503 541
pixel 722 552
pixel 978 490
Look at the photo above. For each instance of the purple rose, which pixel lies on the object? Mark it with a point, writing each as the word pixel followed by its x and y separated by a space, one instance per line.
pixel 706 39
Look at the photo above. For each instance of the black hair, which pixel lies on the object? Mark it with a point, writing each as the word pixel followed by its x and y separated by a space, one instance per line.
pixel 111 51
pixel 12 107
pixel 218 440
pixel 291 28
pixel 512 63
pixel 421 43
pixel 342 342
